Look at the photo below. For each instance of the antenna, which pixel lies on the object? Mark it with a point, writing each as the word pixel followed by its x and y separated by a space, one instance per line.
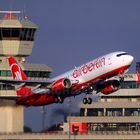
pixel 24 9
pixel 25 16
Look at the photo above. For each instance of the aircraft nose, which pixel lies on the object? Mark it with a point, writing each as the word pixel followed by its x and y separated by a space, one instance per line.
pixel 130 59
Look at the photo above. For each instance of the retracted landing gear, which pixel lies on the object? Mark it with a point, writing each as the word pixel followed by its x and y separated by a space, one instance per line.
pixel 87 100
pixel 121 78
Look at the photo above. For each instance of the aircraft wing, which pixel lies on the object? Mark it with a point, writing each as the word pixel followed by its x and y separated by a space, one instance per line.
pixel 26 82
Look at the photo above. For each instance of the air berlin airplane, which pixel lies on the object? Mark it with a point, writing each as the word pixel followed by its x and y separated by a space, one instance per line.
pixel 87 78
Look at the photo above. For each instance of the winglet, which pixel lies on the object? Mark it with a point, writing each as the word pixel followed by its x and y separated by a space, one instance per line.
pixel 16 70
pixel 138 71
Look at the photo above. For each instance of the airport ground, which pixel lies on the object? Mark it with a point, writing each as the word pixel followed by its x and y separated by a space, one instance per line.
pixel 118 135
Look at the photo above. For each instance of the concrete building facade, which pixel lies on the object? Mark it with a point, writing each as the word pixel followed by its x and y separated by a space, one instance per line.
pixel 119 111
pixel 17 35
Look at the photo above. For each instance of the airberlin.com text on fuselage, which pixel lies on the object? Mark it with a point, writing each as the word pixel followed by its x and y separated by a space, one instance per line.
pixel 88 67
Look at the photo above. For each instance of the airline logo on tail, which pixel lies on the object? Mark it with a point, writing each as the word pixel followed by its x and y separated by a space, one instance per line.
pixel 17 72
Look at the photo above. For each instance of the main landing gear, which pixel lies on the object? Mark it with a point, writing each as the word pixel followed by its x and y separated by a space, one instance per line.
pixel 87 100
pixel 121 79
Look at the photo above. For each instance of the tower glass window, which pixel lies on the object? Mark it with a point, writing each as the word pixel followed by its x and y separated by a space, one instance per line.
pixel 15 32
pixel 27 34
pixel 6 32
pixel 23 34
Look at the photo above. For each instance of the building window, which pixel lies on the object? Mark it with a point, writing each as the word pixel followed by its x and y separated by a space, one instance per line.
pixel 27 34
pixel 95 112
pixel 9 74
pixel 11 33
pixel 82 111
pixel 6 32
pixel 132 112
pixel 23 34
pixel 114 112
pixel 6 87
pixel 113 126
pixel 36 74
pixel 130 85
pixel 15 32
pixel 39 74
pixel 5 73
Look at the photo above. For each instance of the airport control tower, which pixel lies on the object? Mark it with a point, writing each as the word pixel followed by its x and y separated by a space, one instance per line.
pixel 17 34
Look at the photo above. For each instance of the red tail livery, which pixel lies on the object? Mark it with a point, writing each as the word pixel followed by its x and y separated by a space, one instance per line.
pixel 16 70
pixel 18 74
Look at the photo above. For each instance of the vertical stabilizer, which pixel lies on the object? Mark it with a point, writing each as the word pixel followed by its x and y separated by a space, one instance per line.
pixel 16 70
pixel 18 74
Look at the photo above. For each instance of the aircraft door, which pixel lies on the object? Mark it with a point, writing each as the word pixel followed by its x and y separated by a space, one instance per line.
pixel 109 61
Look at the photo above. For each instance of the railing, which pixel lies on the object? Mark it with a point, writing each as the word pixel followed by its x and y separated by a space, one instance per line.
pixel 67 133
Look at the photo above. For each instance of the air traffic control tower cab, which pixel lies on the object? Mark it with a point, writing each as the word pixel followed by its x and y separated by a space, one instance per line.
pixel 17 35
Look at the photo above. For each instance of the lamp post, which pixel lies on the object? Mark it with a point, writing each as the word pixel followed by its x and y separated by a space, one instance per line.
pixel 69 104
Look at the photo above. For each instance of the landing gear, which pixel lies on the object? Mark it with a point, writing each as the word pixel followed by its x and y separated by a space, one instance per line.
pixel 87 100
pixel 121 77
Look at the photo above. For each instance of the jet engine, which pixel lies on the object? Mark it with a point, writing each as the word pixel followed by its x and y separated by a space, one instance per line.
pixel 110 87
pixel 61 85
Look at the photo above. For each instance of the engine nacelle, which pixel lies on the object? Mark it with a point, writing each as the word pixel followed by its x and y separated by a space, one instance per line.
pixel 61 85
pixel 110 87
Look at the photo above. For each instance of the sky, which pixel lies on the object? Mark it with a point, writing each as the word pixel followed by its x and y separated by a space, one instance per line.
pixel 72 32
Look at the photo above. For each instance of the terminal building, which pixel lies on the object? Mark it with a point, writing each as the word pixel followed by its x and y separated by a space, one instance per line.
pixel 119 111
pixel 17 35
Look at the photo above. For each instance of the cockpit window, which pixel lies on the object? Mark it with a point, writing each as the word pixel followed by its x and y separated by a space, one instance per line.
pixel 118 55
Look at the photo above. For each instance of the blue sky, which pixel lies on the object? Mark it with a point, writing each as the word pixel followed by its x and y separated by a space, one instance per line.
pixel 72 32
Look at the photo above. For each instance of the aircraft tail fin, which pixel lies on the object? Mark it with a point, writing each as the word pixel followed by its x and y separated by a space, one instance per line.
pixel 18 74
pixel 16 70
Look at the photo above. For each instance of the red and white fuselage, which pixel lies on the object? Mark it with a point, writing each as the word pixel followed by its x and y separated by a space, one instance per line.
pixel 99 69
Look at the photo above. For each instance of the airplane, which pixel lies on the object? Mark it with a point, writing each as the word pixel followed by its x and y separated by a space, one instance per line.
pixel 93 76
